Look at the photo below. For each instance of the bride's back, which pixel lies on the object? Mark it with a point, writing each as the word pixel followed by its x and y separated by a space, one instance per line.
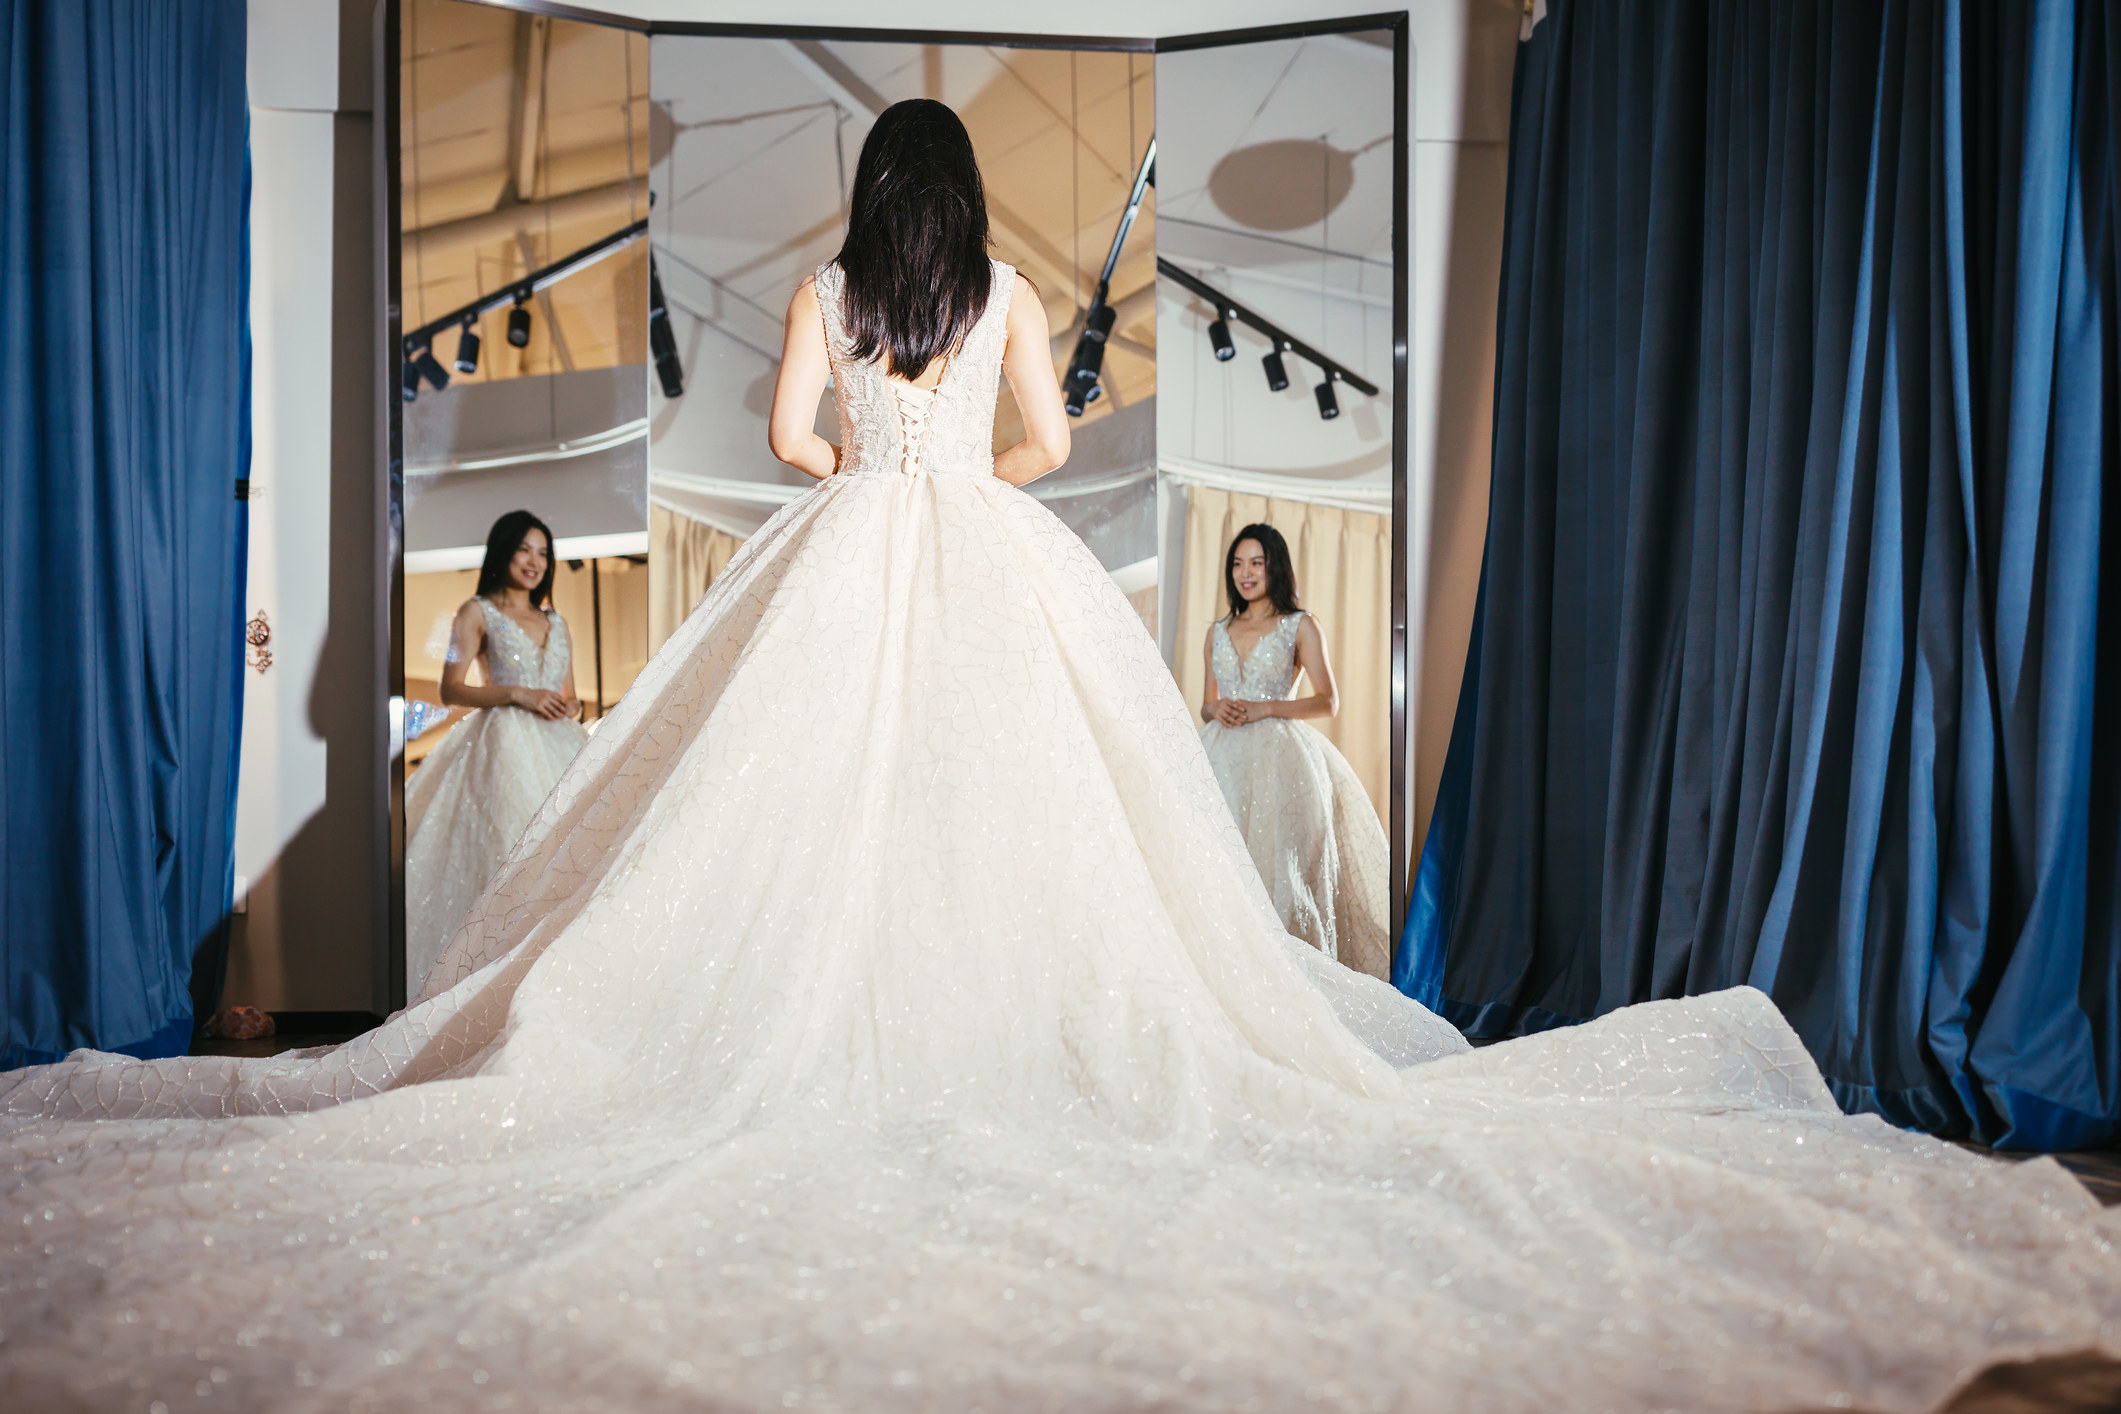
pixel 887 424
pixel 915 324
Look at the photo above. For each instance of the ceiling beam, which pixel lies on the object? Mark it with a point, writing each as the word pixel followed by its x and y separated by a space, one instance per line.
pixel 532 34
pixel 612 204
pixel 853 93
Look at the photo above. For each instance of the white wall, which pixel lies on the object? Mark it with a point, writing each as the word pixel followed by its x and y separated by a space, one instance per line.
pixel 307 852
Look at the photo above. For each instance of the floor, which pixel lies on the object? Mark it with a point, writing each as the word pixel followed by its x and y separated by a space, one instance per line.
pixel 2073 1384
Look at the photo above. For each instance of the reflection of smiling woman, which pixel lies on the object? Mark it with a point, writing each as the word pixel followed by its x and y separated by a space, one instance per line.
pixel 476 792
pixel 1303 812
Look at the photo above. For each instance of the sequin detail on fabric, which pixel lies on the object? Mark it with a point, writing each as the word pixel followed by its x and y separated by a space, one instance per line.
pixel 883 1014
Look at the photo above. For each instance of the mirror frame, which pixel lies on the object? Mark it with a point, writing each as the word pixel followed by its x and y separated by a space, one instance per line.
pixel 390 408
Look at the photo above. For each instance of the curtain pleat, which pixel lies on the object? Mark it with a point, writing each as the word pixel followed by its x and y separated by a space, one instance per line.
pixel 1788 668
pixel 124 428
pixel 684 556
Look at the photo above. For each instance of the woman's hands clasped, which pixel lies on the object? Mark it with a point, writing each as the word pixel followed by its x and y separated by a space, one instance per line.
pixel 552 706
pixel 1235 712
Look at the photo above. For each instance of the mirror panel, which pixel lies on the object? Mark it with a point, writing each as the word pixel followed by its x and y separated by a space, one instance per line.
pixel 754 146
pixel 523 160
pixel 1276 182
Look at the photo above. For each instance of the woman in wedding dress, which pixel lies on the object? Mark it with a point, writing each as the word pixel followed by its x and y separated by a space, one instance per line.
pixel 884 1014
pixel 1305 817
pixel 472 797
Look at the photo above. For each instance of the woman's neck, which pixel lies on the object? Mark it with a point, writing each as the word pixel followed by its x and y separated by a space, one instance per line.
pixel 1259 610
pixel 513 599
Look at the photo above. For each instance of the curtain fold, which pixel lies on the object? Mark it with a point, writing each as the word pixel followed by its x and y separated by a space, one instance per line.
pixel 1789 667
pixel 124 429
pixel 1343 563
pixel 684 556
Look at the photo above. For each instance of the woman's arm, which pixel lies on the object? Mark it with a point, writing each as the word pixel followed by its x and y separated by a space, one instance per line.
pixel 1214 707
pixel 791 431
pixel 568 697
pixel 466 637
pixel 1027 360
pixel 1324 700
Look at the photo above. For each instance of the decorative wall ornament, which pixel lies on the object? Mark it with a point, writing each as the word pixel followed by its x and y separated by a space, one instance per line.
pixel 259 636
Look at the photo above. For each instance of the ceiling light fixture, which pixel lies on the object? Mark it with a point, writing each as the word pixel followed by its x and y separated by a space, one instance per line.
pixel 468 346
pixel 1219 338
pixel 662 342
pixel 1228 310
pixel 431 369
pixel 1277 371
pixel 1328 405
pixel 1083 384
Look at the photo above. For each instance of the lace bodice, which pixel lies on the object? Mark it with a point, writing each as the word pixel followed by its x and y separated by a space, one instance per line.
pixel 514 660
pixel 1268 672
pixel 888 426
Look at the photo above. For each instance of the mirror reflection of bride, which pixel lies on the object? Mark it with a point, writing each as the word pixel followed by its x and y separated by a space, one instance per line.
pixel 1305 817
pixel 883 1013
pixel 472 797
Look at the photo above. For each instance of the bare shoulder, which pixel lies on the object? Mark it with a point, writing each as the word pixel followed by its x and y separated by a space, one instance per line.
pixel 1027 312
pixel 1308 633
pixel 805 292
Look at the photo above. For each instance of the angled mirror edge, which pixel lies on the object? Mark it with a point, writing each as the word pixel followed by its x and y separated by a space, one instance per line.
pixel 388 962
pixel 1400 825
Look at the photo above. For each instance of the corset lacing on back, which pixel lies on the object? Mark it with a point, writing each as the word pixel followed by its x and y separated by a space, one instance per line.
pixel 888 426
pixel 914 405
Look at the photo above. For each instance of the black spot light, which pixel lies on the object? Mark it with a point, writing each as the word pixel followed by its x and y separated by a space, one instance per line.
pixel 1277 371
pixel 519 326
pixel 468 347
pixel 1328 405
pixel 1082 387
pixel 431 369
pixel 1219 337
pixel 662 340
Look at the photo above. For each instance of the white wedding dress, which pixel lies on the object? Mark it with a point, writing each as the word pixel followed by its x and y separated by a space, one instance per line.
pixel 884 1014
pixel 1305 817
pixel 474 795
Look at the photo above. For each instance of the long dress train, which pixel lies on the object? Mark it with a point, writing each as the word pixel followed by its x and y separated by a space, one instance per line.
pixel 477 792
pixel 884 1014
pixel 1305 817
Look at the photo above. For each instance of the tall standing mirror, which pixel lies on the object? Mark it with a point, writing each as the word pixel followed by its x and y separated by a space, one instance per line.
pixel 524 294
pixel 1279 179
pixel 600 231
pixel 754 146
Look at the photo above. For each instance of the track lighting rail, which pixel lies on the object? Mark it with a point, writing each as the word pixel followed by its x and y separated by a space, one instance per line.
pixel 1227 308
pixel 521 290
pixel 1081 385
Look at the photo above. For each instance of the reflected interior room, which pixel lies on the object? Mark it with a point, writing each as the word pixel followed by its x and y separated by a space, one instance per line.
pixel 1198 707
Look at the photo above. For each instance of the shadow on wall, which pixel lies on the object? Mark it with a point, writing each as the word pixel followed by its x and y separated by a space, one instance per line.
pixel 309 940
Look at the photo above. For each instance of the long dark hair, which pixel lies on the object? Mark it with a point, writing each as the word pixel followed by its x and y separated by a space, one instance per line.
pixel 501 544
pixel 1281 575
pixel 916 251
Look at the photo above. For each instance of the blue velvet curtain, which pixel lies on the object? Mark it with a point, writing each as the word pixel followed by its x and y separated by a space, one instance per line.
pixel 124 427
pixel 1794 665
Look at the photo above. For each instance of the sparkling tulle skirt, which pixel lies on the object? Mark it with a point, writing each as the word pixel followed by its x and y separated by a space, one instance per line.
pixel 884 1014
pixel 1313 834
pixel 466 807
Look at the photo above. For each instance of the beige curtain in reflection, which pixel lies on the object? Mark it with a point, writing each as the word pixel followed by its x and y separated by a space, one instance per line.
pixel 684 556
pixel 1343 562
